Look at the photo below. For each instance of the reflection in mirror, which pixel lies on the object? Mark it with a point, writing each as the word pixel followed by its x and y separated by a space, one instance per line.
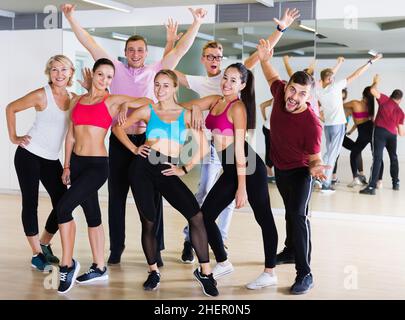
pixel 358 43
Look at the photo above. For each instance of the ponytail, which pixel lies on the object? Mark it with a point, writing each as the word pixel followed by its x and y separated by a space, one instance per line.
pixel 369 101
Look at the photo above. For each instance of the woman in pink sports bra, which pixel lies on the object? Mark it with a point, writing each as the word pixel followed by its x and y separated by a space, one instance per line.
pixel 86 170
pixel 244 176
pixel 363 116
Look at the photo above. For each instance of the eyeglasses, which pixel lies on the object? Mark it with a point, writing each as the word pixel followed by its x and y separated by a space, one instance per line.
pixel 211 57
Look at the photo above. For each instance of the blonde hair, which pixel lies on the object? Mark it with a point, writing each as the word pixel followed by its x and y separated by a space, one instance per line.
pixel 63 60
pixel 172 76
pixel 212 44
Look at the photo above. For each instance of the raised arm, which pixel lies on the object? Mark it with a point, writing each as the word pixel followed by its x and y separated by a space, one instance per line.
pixel 171 35
pixel 263 107
pixel 363 69
pixel 82 35
pixel 339 63
pixel 34 99
pixel 171 60
pixel 374 91
pixel 286 60
pixel 182 79
pixel 265 52
pixel 288 18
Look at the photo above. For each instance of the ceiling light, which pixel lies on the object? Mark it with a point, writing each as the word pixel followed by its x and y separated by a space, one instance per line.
pixel 120 36
pixel 307 28
pixel 205 36
pixel 7 14
pixel 268 3
pixel 111 5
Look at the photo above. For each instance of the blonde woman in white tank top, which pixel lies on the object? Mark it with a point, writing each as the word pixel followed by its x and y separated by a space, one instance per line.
pixel 37 155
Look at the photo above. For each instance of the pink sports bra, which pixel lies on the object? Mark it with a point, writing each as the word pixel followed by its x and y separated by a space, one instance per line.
pixel 360 115
pixel 92 114
pixel 220 124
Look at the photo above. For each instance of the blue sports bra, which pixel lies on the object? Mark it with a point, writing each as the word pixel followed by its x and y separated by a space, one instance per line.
pixel 158 129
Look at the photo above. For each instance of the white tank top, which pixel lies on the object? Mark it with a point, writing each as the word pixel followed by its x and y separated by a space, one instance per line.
pixel 49 129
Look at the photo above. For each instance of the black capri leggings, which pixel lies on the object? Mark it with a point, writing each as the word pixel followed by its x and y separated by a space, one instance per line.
pixel 31 169
pixel 267 142
pixel 223 193
pixel 88 174
pixel 147 181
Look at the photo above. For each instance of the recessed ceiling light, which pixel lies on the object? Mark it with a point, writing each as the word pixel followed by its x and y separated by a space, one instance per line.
pixel 111 5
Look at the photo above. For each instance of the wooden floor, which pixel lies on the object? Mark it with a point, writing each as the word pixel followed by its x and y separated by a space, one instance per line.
pixel 358 253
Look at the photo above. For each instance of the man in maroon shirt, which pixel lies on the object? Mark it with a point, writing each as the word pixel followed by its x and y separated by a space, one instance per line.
pixel 388 123
pixel 296 153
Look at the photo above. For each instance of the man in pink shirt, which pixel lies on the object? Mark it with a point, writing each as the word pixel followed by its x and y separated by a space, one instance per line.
pixel 134 79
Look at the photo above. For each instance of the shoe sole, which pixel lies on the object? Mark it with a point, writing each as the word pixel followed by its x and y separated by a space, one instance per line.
pixel 261 287
pixel 154 289
pixel 113 263
pixel 73 279
pixel 303 292
pixel 202 287
pixel 36 269
pixel 102 278
pixel 285 262
pixel 223 274
pixel 187 261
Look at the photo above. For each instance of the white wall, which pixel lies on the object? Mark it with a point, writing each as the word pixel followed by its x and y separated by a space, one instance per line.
pixel 22 62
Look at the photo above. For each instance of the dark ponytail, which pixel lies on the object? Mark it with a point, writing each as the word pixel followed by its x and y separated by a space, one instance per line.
pixel 369 98
pixel 247 95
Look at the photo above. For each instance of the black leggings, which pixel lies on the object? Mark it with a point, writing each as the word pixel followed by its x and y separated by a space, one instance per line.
pixel 32 169
pixel 348 144
pixel 147 181
pixel 88 174
pixel 120 159
pixel 267 158
pixel 295 188
pixel 223 193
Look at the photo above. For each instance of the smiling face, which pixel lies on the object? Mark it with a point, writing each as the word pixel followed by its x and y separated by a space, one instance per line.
pixel 231 83
pixel 296 95
pixel 136 53
pixel 165 88
pixel 60 74
pixel 103 77
pixel 212 59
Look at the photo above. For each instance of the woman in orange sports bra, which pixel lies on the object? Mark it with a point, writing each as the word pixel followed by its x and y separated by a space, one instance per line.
pixel 363 114
pixel 86 170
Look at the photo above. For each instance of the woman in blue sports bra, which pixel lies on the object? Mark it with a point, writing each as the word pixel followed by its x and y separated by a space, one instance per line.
pixel 155 170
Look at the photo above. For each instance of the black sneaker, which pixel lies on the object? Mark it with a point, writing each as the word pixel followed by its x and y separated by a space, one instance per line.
pixel 153 281
pixel 362 179
pixel 207 283
pixel 68 276
pixel 187 255
pixel 93 274
pixel 285 257
pixel 302 285
pixel 368 190
pixel 395 186
pixel 159 260
pixel 47 251
pixel 115 256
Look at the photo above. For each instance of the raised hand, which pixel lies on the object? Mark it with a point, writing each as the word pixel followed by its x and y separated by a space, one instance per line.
pixel 288 18
pixel 340 59
pixel 171 31
pixel 377 57
pixel 198 14
pixel 87 79
pixel 376 78
pixel 264 50
pixel 68 10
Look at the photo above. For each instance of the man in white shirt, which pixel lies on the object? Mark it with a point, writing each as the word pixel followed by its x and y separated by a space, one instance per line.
pixel 329 94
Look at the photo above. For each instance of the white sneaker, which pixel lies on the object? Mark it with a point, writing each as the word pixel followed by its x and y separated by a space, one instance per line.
pixel 317 184
pixel 265 279
pixel 356 182
pixel 222 269
pixel 379 184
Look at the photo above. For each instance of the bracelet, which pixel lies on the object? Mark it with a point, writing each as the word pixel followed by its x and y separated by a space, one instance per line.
pixel 184 169
pixel 67 167
pixel 370 62
pixel 281 30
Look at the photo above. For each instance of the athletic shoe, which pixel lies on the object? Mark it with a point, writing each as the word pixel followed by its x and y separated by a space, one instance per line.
pixel 115 256
pixel 264 280
pixel 395 186
pixel 302 285
pixel 363 179
pixel 379 184
pixel 368 190
pixel 187 255
pixel 207 283
pixel 334 181
pixel 222 269
pixel 285 257
pixel 317 184
pixel 93 274
pixel 68 276
pixel 328 190
pixel 153 281
pixel 356 182
pixel 271 179
pixel 47 251
pixel 40 263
